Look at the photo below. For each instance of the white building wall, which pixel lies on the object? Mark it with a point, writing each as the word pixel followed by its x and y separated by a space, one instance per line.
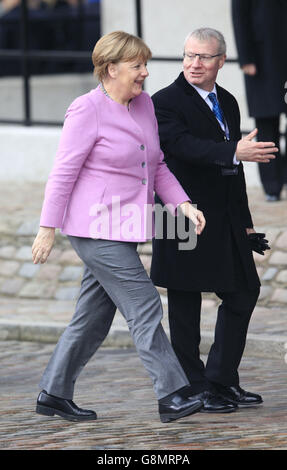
pixel 165 26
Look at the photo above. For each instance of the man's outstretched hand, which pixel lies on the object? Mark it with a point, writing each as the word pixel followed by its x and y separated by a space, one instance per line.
pixel 249 151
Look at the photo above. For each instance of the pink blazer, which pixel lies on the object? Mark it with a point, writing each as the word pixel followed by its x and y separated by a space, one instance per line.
pixel 106 170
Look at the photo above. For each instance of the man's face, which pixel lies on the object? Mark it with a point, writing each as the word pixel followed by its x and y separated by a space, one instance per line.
pixel 198 72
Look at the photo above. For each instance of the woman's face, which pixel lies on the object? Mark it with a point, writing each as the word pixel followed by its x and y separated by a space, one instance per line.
pixel 130 76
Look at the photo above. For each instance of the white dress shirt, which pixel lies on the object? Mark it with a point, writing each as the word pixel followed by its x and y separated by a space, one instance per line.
pixel 204 95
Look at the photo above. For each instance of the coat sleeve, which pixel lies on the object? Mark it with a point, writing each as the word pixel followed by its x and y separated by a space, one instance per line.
pixel 166 185
pixel 177 140
pixel 242 25
pixel 242 192
pixel 243 199
pixel 78 137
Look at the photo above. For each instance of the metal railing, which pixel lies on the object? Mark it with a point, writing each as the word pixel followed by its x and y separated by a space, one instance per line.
pixel 27 56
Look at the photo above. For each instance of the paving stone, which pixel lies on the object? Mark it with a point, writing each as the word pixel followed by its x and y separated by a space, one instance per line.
pixel 7 252
pixel 48 271
pixel 54 255
pixel 30 227
pixel 271 235
pixel 269 274
pixel 279 258
pixel 282 276
pixel 260 271
pixel 260 259
pixel 8 268
pixel 208 303
pixel 29 270
pixel 281 241
pixel 67 293
pixel 24 253
pixel 145 248
pixel 37 289
pixel 146 261
pixel 70 257
pixel 280 296
pixel 2 279
pixel 265 291
pixel 71 273
pixel 11 286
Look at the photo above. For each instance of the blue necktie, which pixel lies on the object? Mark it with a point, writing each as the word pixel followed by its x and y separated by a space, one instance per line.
pixel 216 108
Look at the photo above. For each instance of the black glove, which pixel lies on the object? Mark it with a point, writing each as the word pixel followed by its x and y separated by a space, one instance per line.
pixel 258 243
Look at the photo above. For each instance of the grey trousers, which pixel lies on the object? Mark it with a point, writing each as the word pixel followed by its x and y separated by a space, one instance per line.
pixel 114 277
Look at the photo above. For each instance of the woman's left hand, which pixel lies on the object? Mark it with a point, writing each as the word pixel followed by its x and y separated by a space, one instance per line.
pixel 195 215
pixel 43 244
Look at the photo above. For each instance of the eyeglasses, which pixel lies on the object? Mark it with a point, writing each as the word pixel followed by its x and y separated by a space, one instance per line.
pixel 204 58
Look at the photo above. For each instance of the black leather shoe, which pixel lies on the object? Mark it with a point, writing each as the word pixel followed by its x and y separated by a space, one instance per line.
pixel 49 405
pixel 175 406
pixel 213 403
pixel 237 395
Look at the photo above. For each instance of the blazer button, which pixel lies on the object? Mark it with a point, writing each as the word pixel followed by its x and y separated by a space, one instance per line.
pixel 143 164
pixel 142 147
pixel 144 181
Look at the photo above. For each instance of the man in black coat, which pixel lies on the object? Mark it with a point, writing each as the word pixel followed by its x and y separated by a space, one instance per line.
pixel 205 155
pixel 260 35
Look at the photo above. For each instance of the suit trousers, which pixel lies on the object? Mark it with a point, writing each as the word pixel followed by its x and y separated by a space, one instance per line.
pixel 225 354
pixel 114 277
pixel 273 174
pixel 231 327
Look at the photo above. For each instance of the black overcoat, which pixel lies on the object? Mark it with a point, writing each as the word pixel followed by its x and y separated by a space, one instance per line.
pixel 196 152
pixel 260 35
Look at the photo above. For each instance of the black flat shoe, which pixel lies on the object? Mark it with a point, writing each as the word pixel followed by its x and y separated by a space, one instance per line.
pixel 213 403
pixel 238 396
pixel 49 405
pixel 175 406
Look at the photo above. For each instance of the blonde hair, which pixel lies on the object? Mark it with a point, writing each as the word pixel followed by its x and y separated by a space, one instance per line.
pixel 117 46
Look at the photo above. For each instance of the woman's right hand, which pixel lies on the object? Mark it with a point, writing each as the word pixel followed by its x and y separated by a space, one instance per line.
pixel 43 244
pixel 195 215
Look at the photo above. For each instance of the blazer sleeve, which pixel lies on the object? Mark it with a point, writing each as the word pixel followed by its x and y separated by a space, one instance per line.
pixel 78 137
pixel 177 140
pixel 241 11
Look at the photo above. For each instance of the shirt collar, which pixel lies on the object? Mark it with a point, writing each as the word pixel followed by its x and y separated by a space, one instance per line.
pixel 203 93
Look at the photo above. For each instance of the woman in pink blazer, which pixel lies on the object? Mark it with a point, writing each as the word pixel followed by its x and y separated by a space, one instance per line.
pixel 100 194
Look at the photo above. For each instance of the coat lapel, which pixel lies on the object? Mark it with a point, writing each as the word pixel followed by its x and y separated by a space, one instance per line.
pixel 203 106
pixel 227 113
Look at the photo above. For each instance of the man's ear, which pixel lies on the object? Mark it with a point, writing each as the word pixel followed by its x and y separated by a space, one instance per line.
pixel 222 61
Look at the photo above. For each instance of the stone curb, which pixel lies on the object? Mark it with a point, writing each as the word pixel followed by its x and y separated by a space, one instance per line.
pixel 258 345
pixel 50 332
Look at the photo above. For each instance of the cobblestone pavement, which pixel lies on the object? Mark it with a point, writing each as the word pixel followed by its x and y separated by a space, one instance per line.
pixel 115 384
pixel 37 302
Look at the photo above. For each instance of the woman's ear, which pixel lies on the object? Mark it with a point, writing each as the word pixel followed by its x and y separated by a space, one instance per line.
pixel 112 70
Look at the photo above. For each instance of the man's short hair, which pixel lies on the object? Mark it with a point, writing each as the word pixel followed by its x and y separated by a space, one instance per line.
pixel 205 34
